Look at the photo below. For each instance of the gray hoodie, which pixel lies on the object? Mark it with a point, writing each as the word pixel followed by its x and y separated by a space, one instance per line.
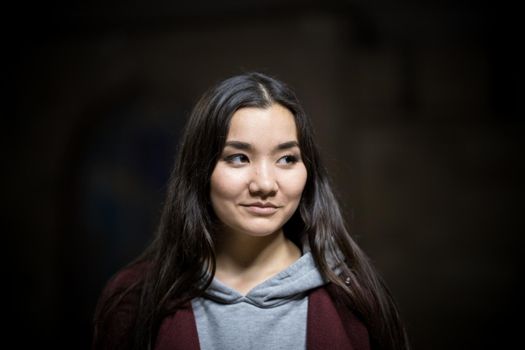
pixel 271 316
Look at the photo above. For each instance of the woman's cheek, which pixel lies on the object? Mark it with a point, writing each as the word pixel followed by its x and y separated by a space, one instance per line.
pixel 294 182
pixel 228 182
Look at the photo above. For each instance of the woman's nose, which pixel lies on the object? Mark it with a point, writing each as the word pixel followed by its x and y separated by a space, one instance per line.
pixel 263 181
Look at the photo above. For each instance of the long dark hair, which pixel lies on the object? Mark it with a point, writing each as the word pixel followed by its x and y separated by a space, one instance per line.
pixel 181 259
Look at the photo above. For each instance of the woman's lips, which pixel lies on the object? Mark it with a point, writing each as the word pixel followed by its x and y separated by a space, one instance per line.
pixel 261 208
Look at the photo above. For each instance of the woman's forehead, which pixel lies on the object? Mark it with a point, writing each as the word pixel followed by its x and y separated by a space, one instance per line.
pixel 276 124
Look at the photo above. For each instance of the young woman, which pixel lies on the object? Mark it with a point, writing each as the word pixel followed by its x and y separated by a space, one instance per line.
pixel 252 250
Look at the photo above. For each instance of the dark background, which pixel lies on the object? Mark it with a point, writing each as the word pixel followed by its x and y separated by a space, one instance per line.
pixel 418 107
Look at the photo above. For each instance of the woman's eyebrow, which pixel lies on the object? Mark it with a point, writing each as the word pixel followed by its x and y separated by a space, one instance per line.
pixel 246 146
pixel 287 145
pixel 238 144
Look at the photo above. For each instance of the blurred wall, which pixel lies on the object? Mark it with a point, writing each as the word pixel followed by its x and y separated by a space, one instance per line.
pixel 418 109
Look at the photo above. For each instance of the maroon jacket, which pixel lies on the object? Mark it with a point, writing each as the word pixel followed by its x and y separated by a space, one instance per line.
pixel 328 326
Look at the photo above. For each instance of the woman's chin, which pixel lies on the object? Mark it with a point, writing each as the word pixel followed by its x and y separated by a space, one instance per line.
pixel 260 231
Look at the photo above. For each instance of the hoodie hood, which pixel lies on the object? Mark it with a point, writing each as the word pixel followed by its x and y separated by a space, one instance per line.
pixel 290 284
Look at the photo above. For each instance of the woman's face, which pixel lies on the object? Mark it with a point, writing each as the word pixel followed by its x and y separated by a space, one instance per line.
pixel 258 181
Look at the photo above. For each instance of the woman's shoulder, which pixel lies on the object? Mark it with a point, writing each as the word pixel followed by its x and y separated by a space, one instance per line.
pixel 124 286
pixel 117 307
pixel 127 277
pixel 122 290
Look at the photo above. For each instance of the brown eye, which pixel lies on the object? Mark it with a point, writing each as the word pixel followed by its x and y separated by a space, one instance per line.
pixel 237 159
pixel 288 159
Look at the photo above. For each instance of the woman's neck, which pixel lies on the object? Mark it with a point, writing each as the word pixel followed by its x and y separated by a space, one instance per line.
pixel 245 261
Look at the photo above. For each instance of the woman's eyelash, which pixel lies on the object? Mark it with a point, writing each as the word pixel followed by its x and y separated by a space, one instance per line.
pixel 290 158
pixel 236 158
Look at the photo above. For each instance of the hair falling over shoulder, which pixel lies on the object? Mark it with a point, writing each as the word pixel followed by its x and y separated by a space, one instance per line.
pixel 180 262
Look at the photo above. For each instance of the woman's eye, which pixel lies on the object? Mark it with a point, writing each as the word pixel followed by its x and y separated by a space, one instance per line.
pixel 237 159
pixel 288 159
